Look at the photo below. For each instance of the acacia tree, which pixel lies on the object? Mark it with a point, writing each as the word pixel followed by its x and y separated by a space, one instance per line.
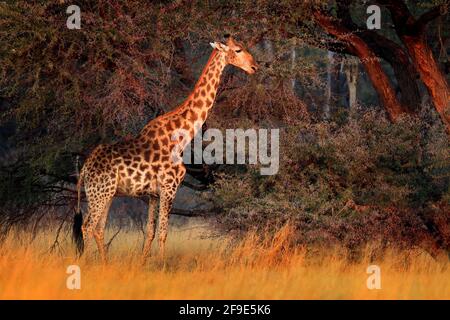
pixel 69 90
pixel 369 59
pixel 411 32
pixel 64 91
pixel 415 58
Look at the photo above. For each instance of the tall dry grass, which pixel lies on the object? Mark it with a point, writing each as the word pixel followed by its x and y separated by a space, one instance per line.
pixel 200 267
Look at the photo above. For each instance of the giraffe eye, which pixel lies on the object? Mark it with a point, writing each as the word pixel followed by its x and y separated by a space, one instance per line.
pixel 238 50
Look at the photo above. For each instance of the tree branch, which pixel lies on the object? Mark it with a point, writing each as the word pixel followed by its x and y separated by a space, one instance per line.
pixel 430 15
pixel 404 21
pixel 391 52
pixel 198 187
pixel 184 212
pixel 367 57
pixel 191 213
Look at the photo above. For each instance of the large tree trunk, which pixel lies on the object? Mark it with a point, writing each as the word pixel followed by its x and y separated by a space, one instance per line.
pixel 411 31
pixel 431 75
pixel 369 60
pixel 391 52
pixel 405 72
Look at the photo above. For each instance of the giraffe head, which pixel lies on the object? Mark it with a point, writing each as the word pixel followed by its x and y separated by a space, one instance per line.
pixel 236 55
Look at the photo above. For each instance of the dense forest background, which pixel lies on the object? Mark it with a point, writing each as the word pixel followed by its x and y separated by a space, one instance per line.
pixel 364 114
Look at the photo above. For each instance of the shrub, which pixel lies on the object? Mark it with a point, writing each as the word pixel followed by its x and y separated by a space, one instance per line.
pixel 357 181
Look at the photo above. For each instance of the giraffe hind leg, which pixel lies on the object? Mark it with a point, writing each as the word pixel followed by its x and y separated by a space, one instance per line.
pixel 87 233
pixel 99 232
pixel 89 226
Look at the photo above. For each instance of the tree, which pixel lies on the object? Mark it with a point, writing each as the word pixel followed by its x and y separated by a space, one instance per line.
pixel 416 58
pixel 368 58
pixel 411 31
pixel 68 91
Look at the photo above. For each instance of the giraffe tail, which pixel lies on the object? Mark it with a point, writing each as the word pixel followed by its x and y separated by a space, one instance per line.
pixel 77 232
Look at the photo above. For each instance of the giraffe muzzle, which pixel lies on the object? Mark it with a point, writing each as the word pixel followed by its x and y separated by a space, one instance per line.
pixel 252 69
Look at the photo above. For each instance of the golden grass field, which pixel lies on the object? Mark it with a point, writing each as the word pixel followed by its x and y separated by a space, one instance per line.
pixel 198 266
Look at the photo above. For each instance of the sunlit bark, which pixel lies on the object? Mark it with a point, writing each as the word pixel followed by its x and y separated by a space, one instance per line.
pixel 411 32
pixel 369 60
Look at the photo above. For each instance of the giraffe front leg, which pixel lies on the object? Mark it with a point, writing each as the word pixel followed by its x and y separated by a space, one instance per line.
pixel 165 205
pixel 150 234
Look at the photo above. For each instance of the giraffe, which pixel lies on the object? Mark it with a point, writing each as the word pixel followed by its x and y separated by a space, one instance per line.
pixel 145 164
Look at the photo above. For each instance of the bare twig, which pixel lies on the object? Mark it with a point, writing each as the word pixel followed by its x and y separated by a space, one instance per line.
pixel 112 238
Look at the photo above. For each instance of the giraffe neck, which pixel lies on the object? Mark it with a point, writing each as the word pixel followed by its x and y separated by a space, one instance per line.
pixel 194 111
pixel 205 89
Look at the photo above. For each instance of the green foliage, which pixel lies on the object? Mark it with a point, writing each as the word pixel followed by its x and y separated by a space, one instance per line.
pixel 68 90
pixel 341 175
pixel 69 86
